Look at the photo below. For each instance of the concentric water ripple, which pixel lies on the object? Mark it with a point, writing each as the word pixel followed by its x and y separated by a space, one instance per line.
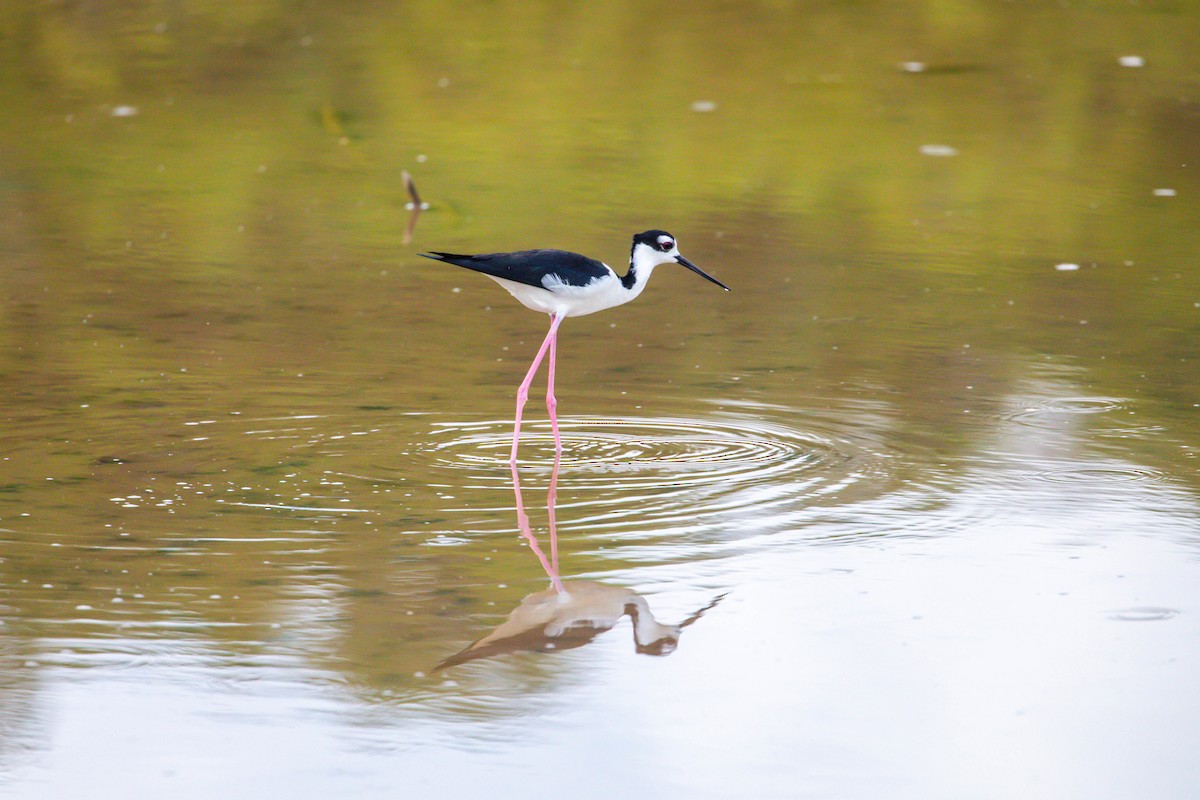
pixel 1144 614
pixel 643 450
pixel 1056 412
pixel 641 473
pixel 1102 473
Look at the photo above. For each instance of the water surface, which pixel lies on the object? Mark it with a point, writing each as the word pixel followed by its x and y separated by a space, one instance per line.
pixel 923 486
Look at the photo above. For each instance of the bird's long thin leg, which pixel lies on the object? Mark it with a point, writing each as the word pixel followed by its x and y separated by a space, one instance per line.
pixel 523 389
pixel 551 500
pixel 551 400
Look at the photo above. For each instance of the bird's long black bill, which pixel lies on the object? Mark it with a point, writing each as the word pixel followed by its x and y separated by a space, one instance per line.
pixel 700 272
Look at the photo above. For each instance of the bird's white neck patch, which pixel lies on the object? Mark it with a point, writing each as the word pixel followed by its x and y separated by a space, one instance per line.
pixel 645 258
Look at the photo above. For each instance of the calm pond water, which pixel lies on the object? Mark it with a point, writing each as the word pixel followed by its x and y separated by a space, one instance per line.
pixel 912 512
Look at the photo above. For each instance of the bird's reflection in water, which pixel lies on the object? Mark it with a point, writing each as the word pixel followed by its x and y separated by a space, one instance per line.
pixel 570 614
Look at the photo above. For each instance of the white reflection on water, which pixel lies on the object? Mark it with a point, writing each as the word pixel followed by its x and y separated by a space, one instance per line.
pixel 569 615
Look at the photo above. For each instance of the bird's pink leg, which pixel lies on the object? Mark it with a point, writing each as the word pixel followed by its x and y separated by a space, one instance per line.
pixel 551 501
pixel 523 389
pixel 551 400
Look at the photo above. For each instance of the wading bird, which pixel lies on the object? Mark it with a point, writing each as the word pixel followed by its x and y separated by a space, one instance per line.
pixel 563 285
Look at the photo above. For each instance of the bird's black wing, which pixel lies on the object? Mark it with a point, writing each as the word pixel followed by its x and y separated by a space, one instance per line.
pixel 527 641
pixel 530 266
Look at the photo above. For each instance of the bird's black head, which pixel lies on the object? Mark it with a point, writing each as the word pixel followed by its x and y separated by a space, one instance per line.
pixel 654 247
pixel 659 240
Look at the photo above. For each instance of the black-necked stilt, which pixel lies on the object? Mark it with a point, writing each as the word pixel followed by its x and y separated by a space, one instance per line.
pixel 564 284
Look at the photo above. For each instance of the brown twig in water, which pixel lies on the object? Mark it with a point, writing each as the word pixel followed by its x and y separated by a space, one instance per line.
pixel 416 206
pixel 412 191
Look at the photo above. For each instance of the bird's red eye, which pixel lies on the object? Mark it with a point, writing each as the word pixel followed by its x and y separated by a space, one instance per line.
pixel 666 244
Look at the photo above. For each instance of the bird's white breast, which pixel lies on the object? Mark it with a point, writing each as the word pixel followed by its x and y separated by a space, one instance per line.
pixel 567 300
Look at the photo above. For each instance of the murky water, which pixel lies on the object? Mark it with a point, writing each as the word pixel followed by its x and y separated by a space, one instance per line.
pixel 912 512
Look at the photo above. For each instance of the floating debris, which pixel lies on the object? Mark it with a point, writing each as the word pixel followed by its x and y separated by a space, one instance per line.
pixel 124 111
pixel 1066 267
pixel 1131 61
pixel 1164 192
pixel 704 106
pixel 938 150
pixel 913 66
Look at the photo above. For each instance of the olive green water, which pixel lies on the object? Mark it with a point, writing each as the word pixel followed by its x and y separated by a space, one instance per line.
pixel 929 471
